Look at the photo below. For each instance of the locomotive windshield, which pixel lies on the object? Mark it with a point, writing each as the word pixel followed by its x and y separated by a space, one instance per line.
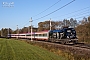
pixel 68 30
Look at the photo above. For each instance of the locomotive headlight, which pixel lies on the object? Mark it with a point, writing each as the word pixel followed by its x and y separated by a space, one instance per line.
pixel 67 36
pixel 72 36
pixel 71 33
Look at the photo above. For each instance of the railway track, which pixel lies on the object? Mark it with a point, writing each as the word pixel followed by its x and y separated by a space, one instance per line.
pixel 80 45
pixel 79 48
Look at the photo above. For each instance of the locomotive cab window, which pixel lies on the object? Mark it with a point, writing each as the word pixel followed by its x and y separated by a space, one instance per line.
pixel 68 31
pixel 50 34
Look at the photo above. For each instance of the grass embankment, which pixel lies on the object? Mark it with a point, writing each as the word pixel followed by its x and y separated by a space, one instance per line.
pixel 19 50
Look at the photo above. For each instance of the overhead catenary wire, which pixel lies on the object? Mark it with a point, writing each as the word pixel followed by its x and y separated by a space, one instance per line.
pixel 79 14
pixel 62 7
pixel 82 16
pixel 75 11
pixel 76 18
pixel 56 10
pixel 82 11
pixel 47 8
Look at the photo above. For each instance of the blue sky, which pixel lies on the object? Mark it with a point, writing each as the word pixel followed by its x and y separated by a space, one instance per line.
pixel 21 11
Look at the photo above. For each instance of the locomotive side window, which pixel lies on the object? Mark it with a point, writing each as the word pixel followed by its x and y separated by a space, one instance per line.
pixel 73 31
pixel 58 35
pixel 54 35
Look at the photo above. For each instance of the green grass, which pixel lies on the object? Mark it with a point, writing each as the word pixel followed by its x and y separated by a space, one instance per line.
pixel 20 50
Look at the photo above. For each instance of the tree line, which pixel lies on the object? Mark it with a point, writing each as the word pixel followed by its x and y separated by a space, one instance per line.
pixel 41 27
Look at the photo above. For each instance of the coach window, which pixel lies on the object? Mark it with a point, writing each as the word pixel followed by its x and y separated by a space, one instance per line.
pixel 36 34
pixel 44 34
pixel 28 35
pixel 40 35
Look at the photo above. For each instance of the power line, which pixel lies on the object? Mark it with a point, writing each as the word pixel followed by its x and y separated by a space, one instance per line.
pixel 45 9
pixel 82 16
pixel 56 10
pixel 84 10
pixel 75 11
pixel 79 14
pixel 48 8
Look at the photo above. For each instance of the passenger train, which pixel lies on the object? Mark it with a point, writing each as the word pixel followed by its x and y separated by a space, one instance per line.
pixel 65 35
